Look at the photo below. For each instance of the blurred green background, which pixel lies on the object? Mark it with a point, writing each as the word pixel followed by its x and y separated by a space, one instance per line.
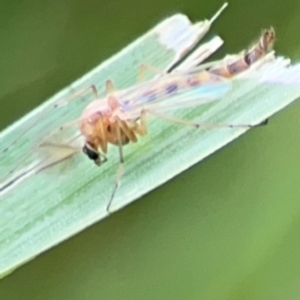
pixel 228 228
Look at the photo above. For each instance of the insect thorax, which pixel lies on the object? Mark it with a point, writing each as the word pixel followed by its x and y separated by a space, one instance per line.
pixel 100 130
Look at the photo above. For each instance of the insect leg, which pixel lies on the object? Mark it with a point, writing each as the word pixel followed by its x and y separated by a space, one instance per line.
pixel 201 125
pixel 92 88
pixel 120 170
pixel 128 131
pixel 102 132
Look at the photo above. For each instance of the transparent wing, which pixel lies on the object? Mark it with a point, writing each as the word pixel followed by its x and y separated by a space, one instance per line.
pixel 193 97
pixel 173 91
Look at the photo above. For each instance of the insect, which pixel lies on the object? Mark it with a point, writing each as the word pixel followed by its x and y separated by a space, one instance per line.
pixel 121 116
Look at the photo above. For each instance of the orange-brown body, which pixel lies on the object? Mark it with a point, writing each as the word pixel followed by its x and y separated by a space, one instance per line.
pixel 99 126
pixel 120 116
pixel 102 119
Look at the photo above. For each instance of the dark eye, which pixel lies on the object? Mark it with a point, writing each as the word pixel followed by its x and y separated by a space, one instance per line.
pixel 90 152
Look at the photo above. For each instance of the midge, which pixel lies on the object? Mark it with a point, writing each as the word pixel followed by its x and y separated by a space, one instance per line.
pixel 121 116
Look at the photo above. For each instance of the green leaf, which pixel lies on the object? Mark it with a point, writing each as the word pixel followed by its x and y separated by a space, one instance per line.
pixel 54 204
pixel 51 206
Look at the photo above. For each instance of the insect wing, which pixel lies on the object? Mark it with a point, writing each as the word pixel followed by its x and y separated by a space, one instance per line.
pixel 194 97
pixel 173 92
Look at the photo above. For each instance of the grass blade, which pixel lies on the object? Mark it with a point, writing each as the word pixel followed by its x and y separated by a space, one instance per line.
pixel 35 215
pixel 53 205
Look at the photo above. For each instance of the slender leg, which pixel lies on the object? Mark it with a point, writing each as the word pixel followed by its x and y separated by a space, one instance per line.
pixel 91 88
pixel 102 133
pixel 127 131
pixel 120 170
pixel 201 125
